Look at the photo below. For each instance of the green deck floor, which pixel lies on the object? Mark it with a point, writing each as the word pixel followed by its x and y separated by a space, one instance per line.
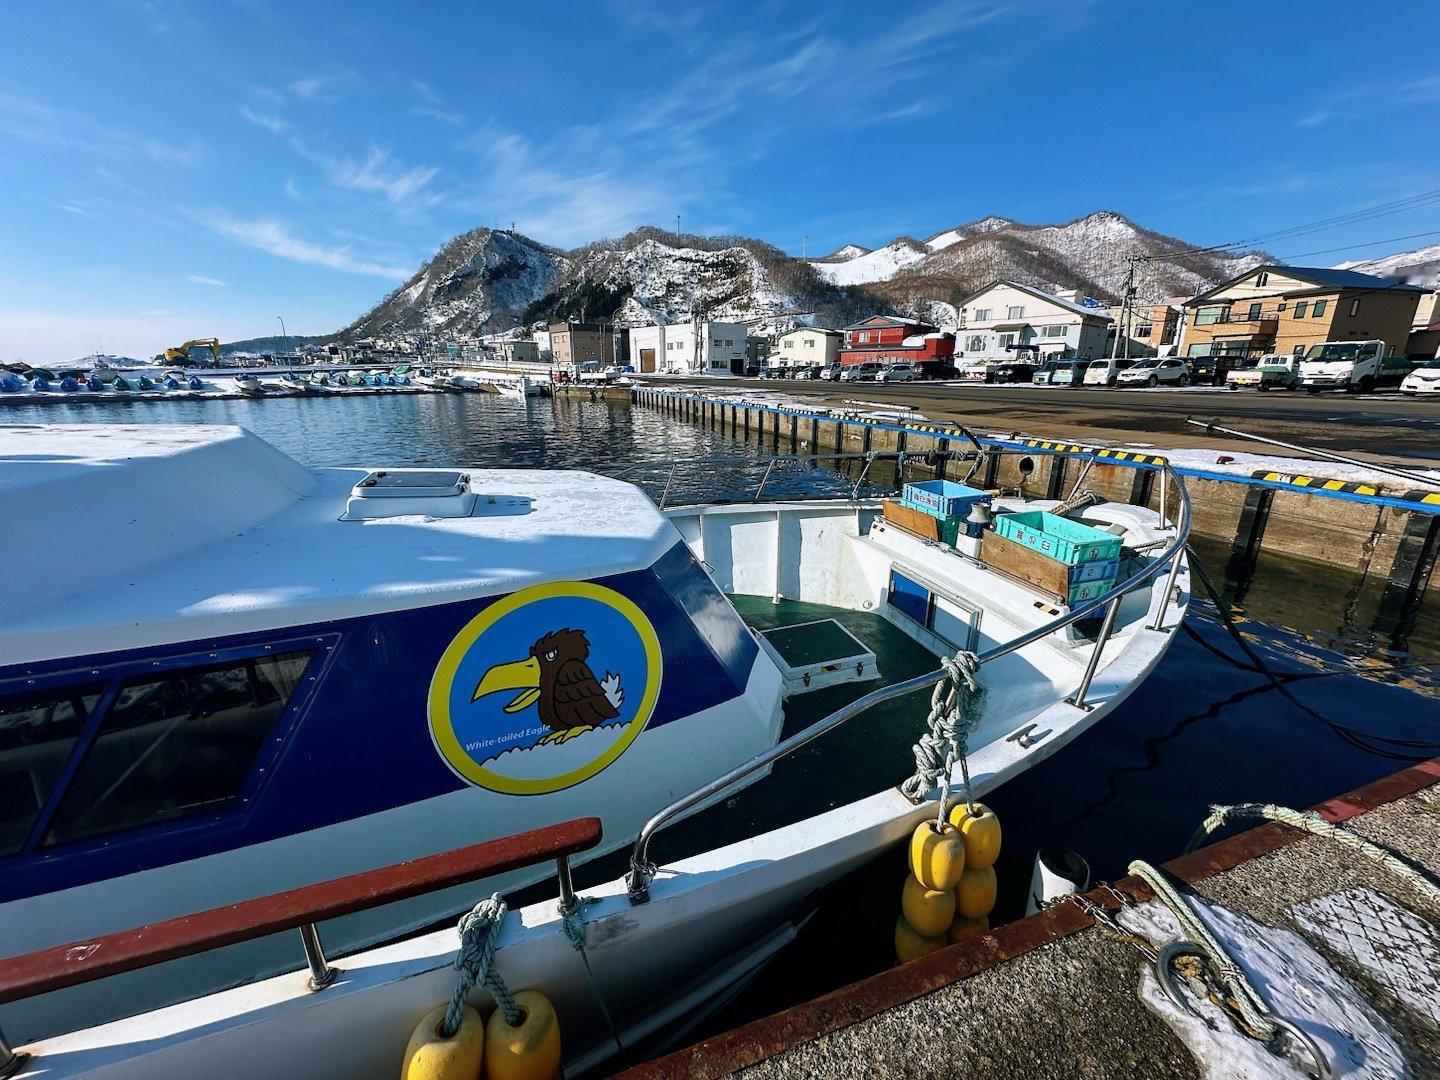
pixel 897 657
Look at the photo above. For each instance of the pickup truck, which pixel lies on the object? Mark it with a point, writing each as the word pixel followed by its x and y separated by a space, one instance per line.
pixel 1356 366
pixel 1271 370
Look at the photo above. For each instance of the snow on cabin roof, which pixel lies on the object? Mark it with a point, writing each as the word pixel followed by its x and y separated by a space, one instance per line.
pixel 136 536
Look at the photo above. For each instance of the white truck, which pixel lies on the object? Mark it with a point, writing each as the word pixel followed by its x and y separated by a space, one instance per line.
pixel 1357 366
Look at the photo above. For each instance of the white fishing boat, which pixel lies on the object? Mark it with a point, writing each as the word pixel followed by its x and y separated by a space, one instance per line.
pixel 406 714
pixel 249 384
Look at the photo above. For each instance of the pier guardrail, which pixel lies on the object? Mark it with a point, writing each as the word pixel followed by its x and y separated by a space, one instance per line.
pixel 643 871
pixel 300 909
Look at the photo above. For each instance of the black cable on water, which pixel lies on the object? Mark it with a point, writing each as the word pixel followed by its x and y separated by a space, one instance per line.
pixel 1359 739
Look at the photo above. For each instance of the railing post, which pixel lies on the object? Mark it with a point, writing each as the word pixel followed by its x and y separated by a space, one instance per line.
pixel 1078 700
pixel 1165 596
pixel 321 973
pixel 1164 494
pixel 10 1061
pixel 764 479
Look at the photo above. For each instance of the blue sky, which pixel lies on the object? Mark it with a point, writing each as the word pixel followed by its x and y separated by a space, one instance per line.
pixel 177 168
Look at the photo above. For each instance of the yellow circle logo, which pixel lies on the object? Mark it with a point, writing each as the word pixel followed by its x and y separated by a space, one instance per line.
pixel 545 688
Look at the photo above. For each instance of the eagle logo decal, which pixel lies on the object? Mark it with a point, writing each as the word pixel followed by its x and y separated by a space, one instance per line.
pixel 545 688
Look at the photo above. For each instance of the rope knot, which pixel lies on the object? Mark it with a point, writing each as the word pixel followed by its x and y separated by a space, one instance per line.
pixel 475 961
pixel 954 713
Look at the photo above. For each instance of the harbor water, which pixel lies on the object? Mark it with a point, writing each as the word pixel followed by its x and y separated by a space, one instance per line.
pixel 1339 705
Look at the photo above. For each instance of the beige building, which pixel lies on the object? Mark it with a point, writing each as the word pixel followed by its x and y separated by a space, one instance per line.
pixel 1286 309
pixel 575 343
pixel 809 346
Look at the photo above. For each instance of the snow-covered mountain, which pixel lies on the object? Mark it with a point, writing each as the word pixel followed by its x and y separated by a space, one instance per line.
pixel 492 280
pixel 843 253
pixel 1088 254
pixel 879 265
pixel 482 278
pixel 1419 267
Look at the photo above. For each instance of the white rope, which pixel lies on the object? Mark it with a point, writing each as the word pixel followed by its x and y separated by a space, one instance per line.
pixel 954 714
pixel 1313 823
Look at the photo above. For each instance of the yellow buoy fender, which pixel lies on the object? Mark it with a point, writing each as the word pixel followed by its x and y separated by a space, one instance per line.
pixel 910 944
pixel 963 929
pixel 431 1056
pixel 937 855
pixel 975 895
pixel 929 911
pixel 528 1052
pixel 981 831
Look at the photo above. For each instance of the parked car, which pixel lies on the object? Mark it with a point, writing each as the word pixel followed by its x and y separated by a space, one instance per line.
pixel 1154 370
pixel 1104 371
pixel 1425 379
pixel 1058 372
pixel 830 372
pixel 865 372
pixel 939 369
pixel 753 370
pixel 807 371
pixel 1212 369
pixel 1266 372
pixel 1010 371
pixel 898 373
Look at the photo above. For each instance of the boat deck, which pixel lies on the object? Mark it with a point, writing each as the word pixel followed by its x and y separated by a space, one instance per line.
pixel 897 657
pixel 1057 991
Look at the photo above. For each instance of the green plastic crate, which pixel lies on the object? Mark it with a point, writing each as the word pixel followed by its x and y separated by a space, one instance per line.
pixel 1060 538
pixel 1089 590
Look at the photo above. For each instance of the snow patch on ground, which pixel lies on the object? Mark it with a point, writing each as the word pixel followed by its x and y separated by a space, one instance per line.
pixel 1300 985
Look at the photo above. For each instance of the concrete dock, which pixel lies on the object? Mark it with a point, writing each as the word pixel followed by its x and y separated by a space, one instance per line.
pixel 1057 994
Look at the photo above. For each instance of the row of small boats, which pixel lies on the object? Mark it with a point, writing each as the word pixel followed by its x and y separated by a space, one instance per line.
pixel 45 381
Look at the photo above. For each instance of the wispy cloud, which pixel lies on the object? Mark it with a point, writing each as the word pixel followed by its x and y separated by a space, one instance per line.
pixel 47 125
pixel 1366 98
pixel 200 279
pixel 378 172
pixel 429 104
pixel 275 237
pixel 324 88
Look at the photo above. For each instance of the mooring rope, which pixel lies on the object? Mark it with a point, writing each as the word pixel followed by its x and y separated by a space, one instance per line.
pixel 1253 1013
pixel 475 960
pixel 954 714
pixel 1313 823
pixel 573 921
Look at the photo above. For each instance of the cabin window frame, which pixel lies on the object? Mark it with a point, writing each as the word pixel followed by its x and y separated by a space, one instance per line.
pixel 932 594
pixel 111 678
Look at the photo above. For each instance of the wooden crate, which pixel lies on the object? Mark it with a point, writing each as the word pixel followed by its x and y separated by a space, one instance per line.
pixel 1019 561
pixel 918 522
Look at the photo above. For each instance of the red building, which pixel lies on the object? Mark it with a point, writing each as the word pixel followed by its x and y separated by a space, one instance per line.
pixel 885 339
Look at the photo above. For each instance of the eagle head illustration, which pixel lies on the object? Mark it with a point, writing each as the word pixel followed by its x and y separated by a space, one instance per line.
pixel 556 678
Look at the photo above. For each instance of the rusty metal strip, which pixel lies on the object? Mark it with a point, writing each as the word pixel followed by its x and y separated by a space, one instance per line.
pixel 764 1038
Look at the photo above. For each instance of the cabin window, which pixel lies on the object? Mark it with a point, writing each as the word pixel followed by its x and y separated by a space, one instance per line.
pixel 177 744
pixel 37 736
pixel 909 597
pixel 683 579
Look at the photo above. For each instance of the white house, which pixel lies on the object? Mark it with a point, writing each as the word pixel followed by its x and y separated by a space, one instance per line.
pixel 1006 319
pixel 809 346
pixel 689 348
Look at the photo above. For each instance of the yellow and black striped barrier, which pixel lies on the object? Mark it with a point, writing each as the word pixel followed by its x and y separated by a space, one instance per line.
pixel 1132 456
pixel 1317 483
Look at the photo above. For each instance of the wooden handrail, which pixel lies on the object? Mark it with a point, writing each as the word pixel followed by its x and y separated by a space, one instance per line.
pixel 84 961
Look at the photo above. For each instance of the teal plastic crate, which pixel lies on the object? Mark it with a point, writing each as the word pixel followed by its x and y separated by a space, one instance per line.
pixel 1060 538
pixel 943 498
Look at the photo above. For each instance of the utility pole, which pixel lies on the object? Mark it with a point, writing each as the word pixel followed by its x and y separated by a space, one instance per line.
pixel 677 224
pixel 284 337
pixel 805 247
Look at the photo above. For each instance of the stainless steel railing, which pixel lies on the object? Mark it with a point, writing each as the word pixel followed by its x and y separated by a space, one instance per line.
pixel 642 870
